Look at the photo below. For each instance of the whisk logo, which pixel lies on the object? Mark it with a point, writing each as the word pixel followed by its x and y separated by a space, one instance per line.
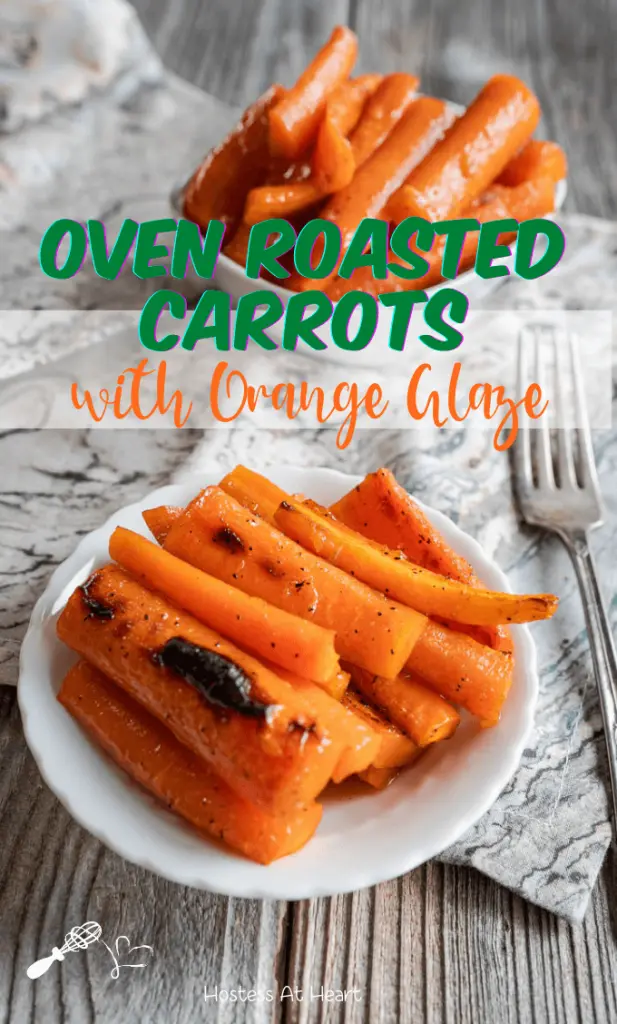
pixel 123 954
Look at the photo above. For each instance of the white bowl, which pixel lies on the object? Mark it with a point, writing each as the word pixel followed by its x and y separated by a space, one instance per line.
pixel 363 838
pixel 230 277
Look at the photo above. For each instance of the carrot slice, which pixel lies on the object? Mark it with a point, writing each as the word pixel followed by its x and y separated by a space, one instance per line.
pixel 219 186
pixel 382 112
pixel 294 120
pixel 277 201
pixel 380 509
pixel 379 778
pixel 218 535
pixel 474 151
pixel 256 731
pixel 421 713
pixel 396 750
pixel 266 631
pixel 254 491
pixel 463 670
pixel 153 757
pixel 158 520
pixel 389 571
pixel 333 161
pixel 384 172
pixel 538 159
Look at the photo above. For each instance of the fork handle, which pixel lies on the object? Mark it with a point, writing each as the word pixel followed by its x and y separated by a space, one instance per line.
pixel 601 643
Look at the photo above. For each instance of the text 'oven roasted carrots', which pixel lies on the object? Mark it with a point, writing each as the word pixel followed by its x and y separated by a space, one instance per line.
pixel 268 741
pixel 221 537
pixel 381 509
pixel 294 120
pixel 383 173
pixel 219 186
pixel 422 714
pixel 153 757
pixel 474 151
pixel 390 572
pixel 298 645
pixel 464 671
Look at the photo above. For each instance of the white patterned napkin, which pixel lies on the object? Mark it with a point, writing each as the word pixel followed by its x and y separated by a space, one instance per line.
pixel 546 836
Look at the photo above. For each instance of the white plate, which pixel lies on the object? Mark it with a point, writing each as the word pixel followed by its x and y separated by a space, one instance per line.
pixel 362 839
pixel 231 278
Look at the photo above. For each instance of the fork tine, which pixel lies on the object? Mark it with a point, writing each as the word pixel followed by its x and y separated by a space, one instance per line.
pixel 521 449
pixel 565 454
pixel 587 462
pixel 543 456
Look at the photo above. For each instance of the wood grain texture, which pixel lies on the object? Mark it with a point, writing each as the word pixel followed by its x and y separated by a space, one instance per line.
pixel 442 944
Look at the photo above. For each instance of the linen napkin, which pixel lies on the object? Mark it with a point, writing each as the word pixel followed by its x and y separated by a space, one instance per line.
pixel 546 836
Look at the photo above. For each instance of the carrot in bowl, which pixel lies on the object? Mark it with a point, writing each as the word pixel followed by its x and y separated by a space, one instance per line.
pixel 254 491
pixel 390 572
pixel 294 120
pixel 263 737
pixel 158 520
pixel 382 112
pixel 538 159
pixel 219 185
pixel 396 750
pixel 474 151
pixel 220 536
pixel 153 757
pixel 269 632
pixel 416 709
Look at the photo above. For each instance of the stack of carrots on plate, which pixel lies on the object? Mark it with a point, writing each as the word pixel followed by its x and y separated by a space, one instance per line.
pixel 266 646
pixel 344 149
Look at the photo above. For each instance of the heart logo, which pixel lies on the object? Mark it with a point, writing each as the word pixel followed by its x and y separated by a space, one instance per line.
pixel 132 956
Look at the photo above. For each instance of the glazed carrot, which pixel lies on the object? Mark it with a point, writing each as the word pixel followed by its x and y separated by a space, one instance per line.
pixel 463 671
pixel 395 749
pixel 333 161
pixel 263 737
pixel 219 185
pixel 279 201
pixel 474 151
pixel 390 572
pixel 254 491
pixel 379 778
pixel 269 632
pixel 294 120
pixel 382 112
pixel 153 757
pixel 380 509
pixel 383 173
pixel 538 159
pixel 421 713
pixel 218 535
pixel 531 199
pixel 335 686
pixel 158 520
pixel 237 248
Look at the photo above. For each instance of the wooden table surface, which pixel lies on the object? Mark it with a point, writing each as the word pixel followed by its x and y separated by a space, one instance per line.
pixel 443 943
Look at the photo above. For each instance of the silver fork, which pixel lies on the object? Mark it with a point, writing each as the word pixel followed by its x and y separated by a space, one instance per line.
pixel 557 488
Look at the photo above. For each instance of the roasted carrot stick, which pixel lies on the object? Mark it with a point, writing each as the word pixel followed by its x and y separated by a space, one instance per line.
pixel 380 509
pixel 420 712
pixel 254 491
pixel 294 120
pixel 383 173
pixel 152 756
pixel 335 687
pixel 379 778
pixel 396 749
pixel 256 731
pixel 219 185
pixel 538 159
pixel 390 572
pixel 269 632
pixel 383 110
pixel 158 520
pixel 473 152
pixel 218 535
pixel 333 163
pixel 463 670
